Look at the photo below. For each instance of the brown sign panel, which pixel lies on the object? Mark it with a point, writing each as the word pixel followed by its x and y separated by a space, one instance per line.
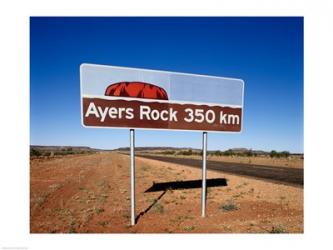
pixel 135 98
pixel 161 115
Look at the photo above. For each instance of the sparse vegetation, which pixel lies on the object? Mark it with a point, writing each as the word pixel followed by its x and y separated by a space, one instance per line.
pixel 169 152
pixel 42 198
pixel 72 230
pixel 35 152
pixel 50 151
pixel 181 152
pixel 189 228
pixel 229 206
pixel 55 186
pixel 158 208
pixel 250 153
pixel 227 229
pixel 145 167
pixel 188 152
pixel 275 154
pixel 99 210
pixel 100 202
pixel 103 223
pixel 68 152
pixel 182 218
pixel 239 195
pixel 278 229
pixel 103 184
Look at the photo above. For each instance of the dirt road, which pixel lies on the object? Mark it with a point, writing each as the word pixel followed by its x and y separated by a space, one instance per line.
pixel 91 194
pixel 293 176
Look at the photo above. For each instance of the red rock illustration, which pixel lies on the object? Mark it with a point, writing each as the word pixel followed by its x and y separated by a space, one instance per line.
pixel 137 90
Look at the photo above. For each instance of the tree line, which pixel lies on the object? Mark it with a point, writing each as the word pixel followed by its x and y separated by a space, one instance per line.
pixel 229 152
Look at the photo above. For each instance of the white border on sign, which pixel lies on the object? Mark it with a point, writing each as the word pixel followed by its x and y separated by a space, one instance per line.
pixel 159 71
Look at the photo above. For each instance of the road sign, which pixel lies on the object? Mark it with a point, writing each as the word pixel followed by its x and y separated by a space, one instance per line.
pixel 119 97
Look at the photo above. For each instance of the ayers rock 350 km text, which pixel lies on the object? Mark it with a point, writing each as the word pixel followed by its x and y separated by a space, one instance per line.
pixel 161 115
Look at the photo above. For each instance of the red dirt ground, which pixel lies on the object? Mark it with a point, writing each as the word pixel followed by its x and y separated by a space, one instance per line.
pixel 90 194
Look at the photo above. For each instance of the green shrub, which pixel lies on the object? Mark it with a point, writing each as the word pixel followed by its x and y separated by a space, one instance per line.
pixel 229 152
pixel 249 153
pixel 189 228
pixel 229 206
pixel 35 152
pixel 218 153
pixel 278 230
pixel 273 154
pixel 187 152
pixel 285 154
pixel 158 208
pixel 169 152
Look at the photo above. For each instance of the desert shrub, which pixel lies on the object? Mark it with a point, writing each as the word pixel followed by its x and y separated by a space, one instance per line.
pixel 249 153
pixel 278 229
pixel 99 210
pixel 198 153
pixel 273 153
pixel 46 153
pixel 35 152
pixel 276 154
pixel 158 208
pixel 218 153
pixel 285 154
pixel 189 228
pixel 228 152
pixel 229 206
pixel 187 152
pixel 66 152
pixel 169 152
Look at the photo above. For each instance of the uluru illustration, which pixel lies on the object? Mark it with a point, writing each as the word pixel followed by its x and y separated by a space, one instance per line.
pixel 136 90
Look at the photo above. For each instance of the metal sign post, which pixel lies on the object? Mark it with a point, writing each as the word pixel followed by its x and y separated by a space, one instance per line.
pixel 132 145
pixel 204 161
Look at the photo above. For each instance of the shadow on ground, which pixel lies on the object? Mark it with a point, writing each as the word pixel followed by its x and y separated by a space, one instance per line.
pixel 173 185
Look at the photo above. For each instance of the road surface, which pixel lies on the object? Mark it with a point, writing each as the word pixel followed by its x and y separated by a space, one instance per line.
pixel 290 176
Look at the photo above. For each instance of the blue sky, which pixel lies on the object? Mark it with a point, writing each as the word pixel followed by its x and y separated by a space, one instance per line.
pixel 267 53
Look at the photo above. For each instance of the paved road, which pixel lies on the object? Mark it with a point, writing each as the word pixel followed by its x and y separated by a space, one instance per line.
pixel 290 176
